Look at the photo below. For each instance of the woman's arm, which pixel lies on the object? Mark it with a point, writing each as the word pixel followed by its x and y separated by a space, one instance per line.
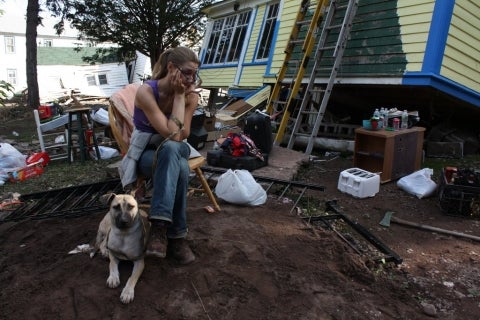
pixel 183 107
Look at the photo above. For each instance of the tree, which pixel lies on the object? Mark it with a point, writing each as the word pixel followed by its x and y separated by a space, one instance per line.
pixel 5 88
pixel 144 25
pixel 33 20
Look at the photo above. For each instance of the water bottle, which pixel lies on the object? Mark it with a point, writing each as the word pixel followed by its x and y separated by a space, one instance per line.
pixel 382 117
pixel 404 124
pixel 385 117
pixel 376 114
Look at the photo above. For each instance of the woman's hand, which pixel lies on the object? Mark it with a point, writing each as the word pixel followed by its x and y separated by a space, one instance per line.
pixel 177 84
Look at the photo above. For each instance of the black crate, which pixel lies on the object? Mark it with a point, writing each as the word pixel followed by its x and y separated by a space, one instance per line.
pixel 460 196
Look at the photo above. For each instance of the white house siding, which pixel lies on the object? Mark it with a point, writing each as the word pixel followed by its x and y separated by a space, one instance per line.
pixel 53 77
pixel 141 68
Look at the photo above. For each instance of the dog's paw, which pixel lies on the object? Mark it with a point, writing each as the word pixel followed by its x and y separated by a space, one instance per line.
pixel 127 295
pixel 113 281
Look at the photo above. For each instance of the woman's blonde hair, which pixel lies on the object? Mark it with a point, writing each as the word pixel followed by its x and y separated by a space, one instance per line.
pixel 177 56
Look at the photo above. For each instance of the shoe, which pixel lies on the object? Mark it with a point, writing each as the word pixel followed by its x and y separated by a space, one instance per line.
pixel 180 250
pixel 157 244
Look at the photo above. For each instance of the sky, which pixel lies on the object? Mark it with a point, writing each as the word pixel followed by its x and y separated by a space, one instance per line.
pixel 13 19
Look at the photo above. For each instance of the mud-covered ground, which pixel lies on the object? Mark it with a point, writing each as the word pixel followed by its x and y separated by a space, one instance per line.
pixel 262 262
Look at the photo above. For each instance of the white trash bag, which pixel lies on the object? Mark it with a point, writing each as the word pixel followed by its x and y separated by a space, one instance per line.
pixel 10 160
pixel 419 183
pixel 239 187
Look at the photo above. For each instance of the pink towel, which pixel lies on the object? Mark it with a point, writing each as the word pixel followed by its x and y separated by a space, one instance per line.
pixel 123 103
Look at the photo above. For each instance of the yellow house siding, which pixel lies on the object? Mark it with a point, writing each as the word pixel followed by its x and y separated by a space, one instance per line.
pixel 252 76
pixel 218 77
pixel 461 62
pixel 414 17
pixel 287 20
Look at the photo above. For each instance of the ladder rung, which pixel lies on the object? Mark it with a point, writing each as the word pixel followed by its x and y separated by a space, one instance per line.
pixel 309 112
pixel 328 69
pixel 302 134
pixel 334 26
pixel 327 48
pixel 317 90
pixel 303 22
pixel 294 62
pixel 296 41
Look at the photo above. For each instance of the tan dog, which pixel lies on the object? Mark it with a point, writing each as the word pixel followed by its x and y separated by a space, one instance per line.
pixel 122 235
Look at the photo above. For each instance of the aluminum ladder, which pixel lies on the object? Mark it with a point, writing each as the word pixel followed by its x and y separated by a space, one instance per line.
pixel 315 99
pixel 277 104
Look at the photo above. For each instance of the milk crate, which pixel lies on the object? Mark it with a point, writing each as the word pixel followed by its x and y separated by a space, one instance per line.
pixel 459 192
pixel 359 183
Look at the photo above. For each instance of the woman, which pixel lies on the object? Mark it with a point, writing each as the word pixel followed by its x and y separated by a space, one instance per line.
pixel 164 108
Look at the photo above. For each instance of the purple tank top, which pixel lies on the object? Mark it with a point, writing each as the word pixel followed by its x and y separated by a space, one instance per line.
pixel 139 118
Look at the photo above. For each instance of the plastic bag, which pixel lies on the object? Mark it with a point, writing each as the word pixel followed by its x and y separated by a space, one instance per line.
pixel 418 183
pixel 10 160
pixel 101 116
pixel 239 187
pixel 105 153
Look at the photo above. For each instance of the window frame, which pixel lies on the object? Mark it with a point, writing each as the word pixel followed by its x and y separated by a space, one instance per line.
pixel 225 44
pixel 97 79
pixel 9 45
pixel 12 79
pixel 266 36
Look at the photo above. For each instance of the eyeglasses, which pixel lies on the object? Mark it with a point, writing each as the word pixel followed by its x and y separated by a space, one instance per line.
pixel 190 74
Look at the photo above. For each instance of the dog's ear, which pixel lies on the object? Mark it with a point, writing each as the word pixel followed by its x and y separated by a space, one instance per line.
pixel 106 199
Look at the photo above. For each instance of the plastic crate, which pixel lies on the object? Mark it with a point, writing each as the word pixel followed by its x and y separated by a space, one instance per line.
pixel 459 192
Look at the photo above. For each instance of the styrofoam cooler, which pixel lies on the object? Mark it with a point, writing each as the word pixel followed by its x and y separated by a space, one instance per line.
pixel 359 183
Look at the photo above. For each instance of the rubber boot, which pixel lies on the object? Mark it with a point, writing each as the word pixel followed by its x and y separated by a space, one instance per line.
pixel 179 249
pixel 157 244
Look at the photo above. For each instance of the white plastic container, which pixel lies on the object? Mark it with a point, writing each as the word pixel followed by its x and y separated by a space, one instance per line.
pixel 359 183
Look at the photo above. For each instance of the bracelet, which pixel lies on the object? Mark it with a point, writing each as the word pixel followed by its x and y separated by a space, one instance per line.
pixel 177 122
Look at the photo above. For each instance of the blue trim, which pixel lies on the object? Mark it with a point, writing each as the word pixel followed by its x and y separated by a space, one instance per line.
pixel 272 48
pixel 244 93
pixel 262 63
pixel 262 30
pixel 218 66
pixel 437 36
pixel 442 84
pixel 251 24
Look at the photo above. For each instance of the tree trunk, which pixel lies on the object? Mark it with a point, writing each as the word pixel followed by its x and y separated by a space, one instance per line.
pixel 31 47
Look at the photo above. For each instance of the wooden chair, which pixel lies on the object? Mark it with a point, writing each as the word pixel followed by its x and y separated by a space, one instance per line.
pixel 120 114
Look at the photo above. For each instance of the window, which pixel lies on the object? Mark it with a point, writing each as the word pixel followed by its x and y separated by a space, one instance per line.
pixel 91 81
pixel 9 45
pixel 102 79
pixel 97 80
pixel 12 76
pixel 226 41
pixel 265 40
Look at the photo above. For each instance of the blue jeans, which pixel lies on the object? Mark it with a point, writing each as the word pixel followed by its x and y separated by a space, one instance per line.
pixel 170 185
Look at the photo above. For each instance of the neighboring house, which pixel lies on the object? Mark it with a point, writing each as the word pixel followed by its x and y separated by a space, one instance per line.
pixel 61 70
pixel 59 67
pixel 421 54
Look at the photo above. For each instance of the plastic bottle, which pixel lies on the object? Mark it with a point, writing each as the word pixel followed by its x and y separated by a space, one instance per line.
pixel 385 117
pixel 376 114
pixel 382 117
pixel 404 124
